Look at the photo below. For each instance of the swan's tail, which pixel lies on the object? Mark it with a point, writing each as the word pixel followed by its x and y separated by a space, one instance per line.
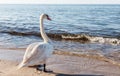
pixel 21 65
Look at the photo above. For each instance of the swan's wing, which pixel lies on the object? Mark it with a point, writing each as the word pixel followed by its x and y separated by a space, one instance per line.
pixel 33 56
pixel 29 49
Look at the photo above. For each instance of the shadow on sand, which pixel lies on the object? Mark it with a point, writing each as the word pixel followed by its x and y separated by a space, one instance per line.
pixel 76 75
pixel 60 74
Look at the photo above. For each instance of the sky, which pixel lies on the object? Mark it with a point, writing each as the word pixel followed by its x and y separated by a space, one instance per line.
pixel 59 1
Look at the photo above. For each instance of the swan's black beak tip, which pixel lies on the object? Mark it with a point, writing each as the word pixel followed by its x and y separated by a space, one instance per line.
pixel 49 18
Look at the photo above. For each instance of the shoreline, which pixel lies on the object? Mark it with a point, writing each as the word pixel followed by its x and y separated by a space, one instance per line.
pixel 62 64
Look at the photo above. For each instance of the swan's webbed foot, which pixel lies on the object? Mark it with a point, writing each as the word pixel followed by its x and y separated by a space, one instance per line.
pixel 42 68
pixel 39 68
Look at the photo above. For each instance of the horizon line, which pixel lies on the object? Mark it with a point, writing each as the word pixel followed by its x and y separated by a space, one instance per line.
pixel 66 3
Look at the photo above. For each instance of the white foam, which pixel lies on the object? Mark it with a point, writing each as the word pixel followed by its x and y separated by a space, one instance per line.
pixel 93 39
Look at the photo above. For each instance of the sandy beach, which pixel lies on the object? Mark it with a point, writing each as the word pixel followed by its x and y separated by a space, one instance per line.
pixel 61 64
pixel 85 37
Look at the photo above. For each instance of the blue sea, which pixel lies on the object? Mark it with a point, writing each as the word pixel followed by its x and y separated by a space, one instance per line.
pixel 19 26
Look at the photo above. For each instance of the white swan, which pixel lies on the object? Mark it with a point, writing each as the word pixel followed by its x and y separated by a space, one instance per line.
pixel 37 53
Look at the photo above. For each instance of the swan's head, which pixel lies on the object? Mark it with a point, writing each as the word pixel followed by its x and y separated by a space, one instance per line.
pixel 45 16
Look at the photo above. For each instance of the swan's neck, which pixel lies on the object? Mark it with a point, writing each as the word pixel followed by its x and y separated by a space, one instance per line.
pixel 42 31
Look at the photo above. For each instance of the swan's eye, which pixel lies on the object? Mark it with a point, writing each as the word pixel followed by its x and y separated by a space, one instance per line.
pixel 47 16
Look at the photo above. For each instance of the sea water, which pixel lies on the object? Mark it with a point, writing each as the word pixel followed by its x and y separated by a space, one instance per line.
pixel 93 28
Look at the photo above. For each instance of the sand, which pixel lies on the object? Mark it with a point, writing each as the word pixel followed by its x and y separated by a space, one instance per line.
pixel 60 64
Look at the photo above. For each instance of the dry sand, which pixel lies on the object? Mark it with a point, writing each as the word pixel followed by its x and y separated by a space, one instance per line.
pixel 62 65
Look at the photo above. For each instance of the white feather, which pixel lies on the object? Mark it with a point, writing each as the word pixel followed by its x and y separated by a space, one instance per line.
pixel 37 53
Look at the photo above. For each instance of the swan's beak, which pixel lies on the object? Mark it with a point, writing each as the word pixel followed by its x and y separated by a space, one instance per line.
pixel 49 18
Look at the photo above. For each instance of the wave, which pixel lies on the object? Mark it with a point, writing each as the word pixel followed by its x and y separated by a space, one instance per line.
pixel 84 38
pixel 88 38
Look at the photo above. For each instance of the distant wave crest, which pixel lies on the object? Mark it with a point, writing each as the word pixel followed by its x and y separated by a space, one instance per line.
pixel 88 38
pixel 67 36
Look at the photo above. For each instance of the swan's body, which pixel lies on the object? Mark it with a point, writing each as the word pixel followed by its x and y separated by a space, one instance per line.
pixel 37 53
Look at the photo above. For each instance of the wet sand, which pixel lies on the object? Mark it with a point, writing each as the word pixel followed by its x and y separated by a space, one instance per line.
pixel 61 64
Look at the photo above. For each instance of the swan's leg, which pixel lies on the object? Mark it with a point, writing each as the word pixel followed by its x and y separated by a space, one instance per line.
pixel 41 68
pixel 44 69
